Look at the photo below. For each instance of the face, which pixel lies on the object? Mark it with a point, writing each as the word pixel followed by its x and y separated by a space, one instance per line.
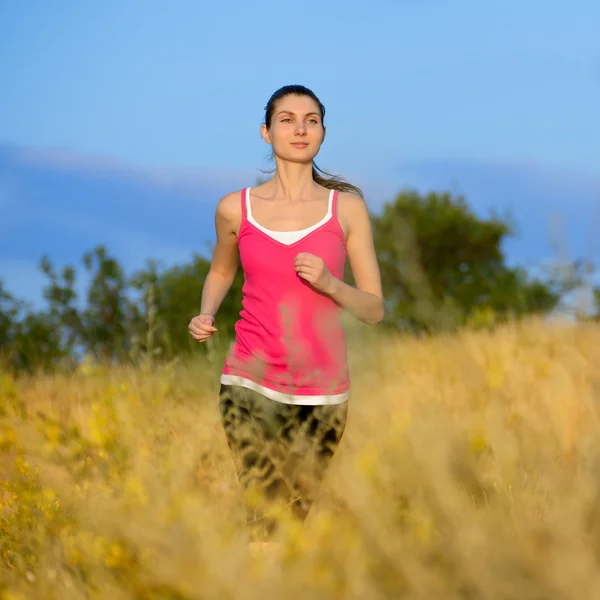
pixel 297 130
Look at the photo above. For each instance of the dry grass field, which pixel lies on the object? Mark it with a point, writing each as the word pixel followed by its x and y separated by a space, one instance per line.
pixel 470 468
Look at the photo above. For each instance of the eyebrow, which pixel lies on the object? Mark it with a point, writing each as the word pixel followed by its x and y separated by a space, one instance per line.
pixel 289 112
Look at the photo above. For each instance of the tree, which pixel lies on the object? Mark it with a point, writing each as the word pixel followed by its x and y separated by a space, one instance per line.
pixel 440 264
pixel 9 309
pixel 63 314
pixel 37 345
pixel 106 318
pixel 8 312
pixel 177 293
pixel 29 341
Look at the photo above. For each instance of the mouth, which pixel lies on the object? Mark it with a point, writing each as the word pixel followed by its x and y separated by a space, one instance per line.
pixel 300 144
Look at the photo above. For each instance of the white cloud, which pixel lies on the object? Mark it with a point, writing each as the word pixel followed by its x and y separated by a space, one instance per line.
pixel 69 159
pixel 190 179
pixel 543 176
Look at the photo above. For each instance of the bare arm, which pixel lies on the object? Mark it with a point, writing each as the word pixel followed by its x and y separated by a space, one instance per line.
pixel 365 301
pixel 222 270
pixel 224 262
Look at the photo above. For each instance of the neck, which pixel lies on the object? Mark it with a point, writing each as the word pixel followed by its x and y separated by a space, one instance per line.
pixel 293 181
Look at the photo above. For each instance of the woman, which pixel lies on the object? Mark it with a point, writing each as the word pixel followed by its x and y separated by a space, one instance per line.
pixel 285 384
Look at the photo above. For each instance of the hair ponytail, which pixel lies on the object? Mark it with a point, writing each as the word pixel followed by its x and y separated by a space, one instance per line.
pixel 334 182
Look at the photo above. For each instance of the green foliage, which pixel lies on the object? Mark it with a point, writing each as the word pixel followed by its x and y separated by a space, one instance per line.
pixel 441 265
pixel 105 331
pixel 176 294
pixel 8 315
pixel 29 341
pixel 62 316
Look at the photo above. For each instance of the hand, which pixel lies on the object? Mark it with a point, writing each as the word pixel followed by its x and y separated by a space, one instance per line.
pixel 314 270
pixel 201 327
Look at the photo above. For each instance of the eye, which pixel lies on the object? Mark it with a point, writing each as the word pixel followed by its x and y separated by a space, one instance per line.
pixel 286 120
pixel 313 120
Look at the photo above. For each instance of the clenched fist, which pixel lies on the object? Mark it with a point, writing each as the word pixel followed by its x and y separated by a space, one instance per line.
pixel 201 327
pixel 314 270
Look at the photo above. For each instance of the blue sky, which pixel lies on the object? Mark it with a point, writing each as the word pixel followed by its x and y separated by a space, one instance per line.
pixel 497 99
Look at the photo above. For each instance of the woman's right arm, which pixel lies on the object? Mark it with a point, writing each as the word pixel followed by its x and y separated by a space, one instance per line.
pixel 223 266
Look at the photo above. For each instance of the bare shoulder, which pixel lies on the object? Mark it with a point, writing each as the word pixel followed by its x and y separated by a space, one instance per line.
pixel 230 205
pixel 228 214
pixel 352 211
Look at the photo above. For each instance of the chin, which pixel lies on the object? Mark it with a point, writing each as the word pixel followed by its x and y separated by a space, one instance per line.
pixel 299 156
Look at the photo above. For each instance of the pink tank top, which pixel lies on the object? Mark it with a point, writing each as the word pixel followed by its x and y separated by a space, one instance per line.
pixel 289 343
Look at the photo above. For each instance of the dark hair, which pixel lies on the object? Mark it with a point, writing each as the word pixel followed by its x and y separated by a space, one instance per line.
pixel 331 182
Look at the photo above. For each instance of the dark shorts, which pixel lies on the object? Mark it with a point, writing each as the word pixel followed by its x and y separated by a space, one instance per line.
pixel 281 451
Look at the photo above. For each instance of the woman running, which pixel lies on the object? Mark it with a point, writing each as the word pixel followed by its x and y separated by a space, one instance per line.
pixel 285 383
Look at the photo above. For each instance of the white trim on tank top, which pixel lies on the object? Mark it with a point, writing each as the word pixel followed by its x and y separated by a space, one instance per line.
pixel 288 237
pixel 321 400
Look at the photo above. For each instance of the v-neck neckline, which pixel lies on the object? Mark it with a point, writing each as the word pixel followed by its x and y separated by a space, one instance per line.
pixel 271 234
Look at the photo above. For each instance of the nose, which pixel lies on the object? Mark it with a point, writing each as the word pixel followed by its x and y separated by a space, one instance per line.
pixel 300 128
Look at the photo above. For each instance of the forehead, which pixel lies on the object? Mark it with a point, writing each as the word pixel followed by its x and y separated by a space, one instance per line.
pixel 297 104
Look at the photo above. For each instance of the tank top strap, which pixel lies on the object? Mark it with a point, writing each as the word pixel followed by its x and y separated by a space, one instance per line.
pixel 333 203
pixel 244 199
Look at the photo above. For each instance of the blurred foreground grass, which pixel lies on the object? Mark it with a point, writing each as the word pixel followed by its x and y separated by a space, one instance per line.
pixel 469 469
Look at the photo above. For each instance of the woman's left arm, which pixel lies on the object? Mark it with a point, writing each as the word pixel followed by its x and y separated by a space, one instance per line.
pixel 365 301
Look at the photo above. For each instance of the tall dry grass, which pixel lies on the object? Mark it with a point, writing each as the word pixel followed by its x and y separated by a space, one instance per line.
pixel 469 469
